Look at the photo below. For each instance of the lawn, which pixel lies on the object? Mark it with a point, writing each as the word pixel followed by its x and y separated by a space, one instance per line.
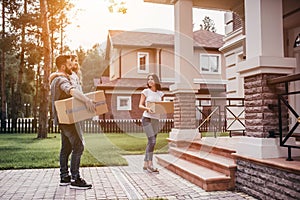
pixel 19 151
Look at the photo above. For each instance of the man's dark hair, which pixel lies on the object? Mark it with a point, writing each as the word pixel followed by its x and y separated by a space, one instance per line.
pixel 156 81
pixel 61 60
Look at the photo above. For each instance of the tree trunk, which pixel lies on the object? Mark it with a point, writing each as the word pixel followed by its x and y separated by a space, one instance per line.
pixel 2 70
pixel 44 105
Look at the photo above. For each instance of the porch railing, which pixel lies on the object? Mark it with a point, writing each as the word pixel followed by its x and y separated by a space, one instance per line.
pixel 221 114
pixel 283 103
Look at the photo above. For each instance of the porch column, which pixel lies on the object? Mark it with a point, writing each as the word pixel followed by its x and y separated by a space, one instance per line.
pixel 295 100
pixel 264 59
pixel 184 89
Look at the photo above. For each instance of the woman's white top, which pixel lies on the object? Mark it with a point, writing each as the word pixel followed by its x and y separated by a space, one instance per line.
pixel 75 81
pixel 152 97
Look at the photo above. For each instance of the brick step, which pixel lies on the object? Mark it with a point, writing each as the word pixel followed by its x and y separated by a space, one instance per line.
pixel 297 136
pixel 205 178
pixel 212 161
pixel 204 147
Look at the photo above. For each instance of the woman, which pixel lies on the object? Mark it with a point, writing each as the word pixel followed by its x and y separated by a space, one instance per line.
pixel 150 120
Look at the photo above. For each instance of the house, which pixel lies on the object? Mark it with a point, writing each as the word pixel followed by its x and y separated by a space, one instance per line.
pixel 262 65
pixel 133 55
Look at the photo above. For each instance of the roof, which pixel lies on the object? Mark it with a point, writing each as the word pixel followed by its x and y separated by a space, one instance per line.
pixel 202 38
pixel 128 83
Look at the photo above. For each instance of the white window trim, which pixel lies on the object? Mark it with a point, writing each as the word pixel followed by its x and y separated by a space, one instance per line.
pixel 147 62
pixel 219 63
pixel 168 99
pixel 119 107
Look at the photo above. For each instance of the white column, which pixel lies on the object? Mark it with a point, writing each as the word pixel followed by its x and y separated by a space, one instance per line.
pixel 295 99
pixel 184 45
pixel 183 88
pixel 264 39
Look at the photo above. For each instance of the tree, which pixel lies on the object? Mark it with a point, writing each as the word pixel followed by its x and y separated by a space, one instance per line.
pixel 43 122
pixel 92 67
pixel 9 9
pixel 208 24
pixel 117 6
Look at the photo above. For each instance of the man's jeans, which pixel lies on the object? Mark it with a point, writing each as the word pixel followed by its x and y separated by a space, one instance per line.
pixel 151 127
pixel 71 142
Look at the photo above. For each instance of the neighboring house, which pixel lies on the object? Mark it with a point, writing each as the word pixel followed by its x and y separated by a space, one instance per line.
pixel 133 55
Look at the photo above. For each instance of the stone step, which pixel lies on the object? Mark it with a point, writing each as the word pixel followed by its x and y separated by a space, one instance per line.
pixel 199 145
pixel 205 178
pixel 212 161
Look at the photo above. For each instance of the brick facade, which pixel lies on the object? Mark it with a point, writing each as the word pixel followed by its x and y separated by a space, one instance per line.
pixel 267 182
pixel 134 113
pixel 260 118
pixel 184 111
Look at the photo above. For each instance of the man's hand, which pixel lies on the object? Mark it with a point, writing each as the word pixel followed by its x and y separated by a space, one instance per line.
pixel 90 105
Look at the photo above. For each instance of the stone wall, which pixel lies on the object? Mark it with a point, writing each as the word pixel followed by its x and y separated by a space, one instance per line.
pixel 260 118
pixel 267 182
pixel 184 111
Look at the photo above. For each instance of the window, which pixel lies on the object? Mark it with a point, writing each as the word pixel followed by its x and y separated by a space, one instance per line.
pixel 124 103
pixel 210 63
pixel 168 98
pixel 143 62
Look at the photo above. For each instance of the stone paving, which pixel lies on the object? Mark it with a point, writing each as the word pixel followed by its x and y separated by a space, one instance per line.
pixel 126 182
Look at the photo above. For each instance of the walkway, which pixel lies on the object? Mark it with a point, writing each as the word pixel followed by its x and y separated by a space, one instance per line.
pixel 127 182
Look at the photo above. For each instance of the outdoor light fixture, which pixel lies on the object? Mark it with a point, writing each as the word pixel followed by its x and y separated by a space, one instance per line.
pixel 297 41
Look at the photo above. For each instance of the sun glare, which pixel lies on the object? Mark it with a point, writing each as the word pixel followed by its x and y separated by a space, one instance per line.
pixel 93 20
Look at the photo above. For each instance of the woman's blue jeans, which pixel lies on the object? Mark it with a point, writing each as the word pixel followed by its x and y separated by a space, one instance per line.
pixel 151 128
pixel 71 142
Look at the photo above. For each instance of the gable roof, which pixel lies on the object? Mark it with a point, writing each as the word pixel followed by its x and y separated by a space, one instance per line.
pixel 202 38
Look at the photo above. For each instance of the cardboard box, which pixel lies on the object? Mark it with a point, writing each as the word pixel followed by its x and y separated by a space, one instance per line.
pixel 72 110
pixel 162 107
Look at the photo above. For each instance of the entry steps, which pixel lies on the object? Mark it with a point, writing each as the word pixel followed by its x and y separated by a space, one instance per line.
pixel 211 168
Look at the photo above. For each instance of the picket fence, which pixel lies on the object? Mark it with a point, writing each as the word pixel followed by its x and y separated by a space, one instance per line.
pixel 29 125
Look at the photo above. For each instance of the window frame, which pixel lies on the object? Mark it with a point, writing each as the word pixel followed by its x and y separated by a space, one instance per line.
pixel 127 107
pixel 146 54
pixel 201 55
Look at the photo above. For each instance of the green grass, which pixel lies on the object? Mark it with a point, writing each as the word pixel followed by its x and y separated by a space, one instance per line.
pixel 212 134
pixel 19 151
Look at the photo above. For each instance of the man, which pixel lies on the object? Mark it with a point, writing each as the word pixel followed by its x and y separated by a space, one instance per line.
pixel 62 88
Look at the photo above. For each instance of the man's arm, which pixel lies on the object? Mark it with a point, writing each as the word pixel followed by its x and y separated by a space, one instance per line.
pixel 81 97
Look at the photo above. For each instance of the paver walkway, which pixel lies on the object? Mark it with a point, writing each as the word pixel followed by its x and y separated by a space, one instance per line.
pixel 126 182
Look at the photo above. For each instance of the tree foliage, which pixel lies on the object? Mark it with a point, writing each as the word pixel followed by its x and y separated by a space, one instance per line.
pixel 92 67
pixel 208 24
pixel 27 58
pixel 117 6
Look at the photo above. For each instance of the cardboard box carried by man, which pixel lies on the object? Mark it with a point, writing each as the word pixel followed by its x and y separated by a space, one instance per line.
pixel 71 110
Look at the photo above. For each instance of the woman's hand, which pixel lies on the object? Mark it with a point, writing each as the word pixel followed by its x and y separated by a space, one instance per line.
pixel 150 111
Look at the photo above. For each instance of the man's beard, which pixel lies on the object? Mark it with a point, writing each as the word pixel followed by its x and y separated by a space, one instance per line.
pixel 68 71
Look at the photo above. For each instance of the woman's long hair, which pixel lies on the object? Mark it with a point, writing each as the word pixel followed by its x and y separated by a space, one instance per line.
pixel 156 81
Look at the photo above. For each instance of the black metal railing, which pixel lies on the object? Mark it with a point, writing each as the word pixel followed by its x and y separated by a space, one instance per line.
pixel 221 114
pixel 283 107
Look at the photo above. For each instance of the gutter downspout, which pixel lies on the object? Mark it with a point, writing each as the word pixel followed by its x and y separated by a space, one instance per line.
pixel 159 64
pixel 120 63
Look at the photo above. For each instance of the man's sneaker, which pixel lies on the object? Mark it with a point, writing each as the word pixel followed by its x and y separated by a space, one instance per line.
pixel 65 181
pixel 80 184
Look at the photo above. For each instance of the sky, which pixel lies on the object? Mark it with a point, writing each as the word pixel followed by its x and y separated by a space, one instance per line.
pixel 93 20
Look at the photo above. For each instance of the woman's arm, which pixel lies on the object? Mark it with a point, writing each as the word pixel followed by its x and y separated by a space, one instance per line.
pixel 143 103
